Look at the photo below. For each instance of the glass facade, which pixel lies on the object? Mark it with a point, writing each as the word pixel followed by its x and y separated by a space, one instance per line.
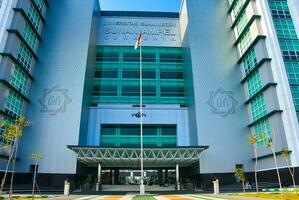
pixel 238 6
pixel 30 36
pixel 41 5
pixel 262 128
pixel 117 72
pixel 254 83
pixel 257 105
pixel 19 80
pixel 25 57
pixel 34 17
pixel 129 136
pixel 289 43
pixel 14 104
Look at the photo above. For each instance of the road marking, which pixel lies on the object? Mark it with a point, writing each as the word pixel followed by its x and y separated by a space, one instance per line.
pixel 207 197
pixel 88 197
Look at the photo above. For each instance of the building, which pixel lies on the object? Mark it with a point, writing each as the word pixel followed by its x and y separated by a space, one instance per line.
pixel 212 73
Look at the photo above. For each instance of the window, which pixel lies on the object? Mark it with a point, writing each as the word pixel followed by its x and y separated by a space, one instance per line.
pixel 109 90
pixel 149 91
pixel 34 17
pixel 258 107
pixel 238 6
pixel 135 74
pixel 170 57
pixel 129 131
pixel 254 83
pixel 242 22
pixel 106 73
pixel 290 55
pixel 262 127
pixel 29 36
pixel 131 91
pixel 41 5
pixel 172 91
pixel 148 130
pixel 108 130
pixel 249 61
pixel 131 57
pixel 25 57
pixel 168 74
pixel 19 80
pixel 168 130
pixel 107 56
pixel 148 57
pixel 245 41
pixel 14 104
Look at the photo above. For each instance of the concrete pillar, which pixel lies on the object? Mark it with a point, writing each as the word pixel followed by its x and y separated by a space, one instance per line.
pixel 116 176
pixel 160 176
pixel 98 185
pixel 177 177
pixel 166 176
pixel 113 177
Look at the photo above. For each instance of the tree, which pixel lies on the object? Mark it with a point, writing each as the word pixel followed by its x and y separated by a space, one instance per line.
pixel 270 143
pixel 252 139
pixel 285 154
pixel 12 132
pixel 241 175
pixel 35 157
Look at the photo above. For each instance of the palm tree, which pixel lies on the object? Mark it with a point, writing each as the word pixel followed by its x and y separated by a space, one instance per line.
pixel 241 175
pixel 13 131
pixel 285 154
pixel 35 157
pixel 252 139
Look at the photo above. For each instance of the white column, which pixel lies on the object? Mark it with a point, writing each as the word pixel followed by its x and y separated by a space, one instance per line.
pixel 99 177
pixel 177 172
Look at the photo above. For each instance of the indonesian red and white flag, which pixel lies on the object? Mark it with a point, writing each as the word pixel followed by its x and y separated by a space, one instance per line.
pixel 138 42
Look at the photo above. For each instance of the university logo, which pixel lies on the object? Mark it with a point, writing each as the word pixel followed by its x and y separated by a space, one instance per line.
pixel 54 100
pixel 222 102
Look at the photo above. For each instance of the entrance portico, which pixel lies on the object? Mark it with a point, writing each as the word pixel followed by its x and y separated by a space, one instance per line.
pixel 172 157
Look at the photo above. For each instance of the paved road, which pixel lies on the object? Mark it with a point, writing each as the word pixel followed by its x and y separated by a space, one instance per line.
pixel 158 197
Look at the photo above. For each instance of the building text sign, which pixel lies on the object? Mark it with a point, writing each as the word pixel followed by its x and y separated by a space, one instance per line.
pixel 123 31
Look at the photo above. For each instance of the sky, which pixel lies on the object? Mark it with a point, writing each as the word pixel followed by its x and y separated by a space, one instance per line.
pixel 141 5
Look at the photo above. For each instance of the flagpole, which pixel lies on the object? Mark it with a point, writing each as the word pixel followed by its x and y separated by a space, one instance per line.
pixel 141 127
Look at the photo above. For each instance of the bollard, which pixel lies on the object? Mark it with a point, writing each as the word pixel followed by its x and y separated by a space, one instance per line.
pixel 66 191
pixel 216 187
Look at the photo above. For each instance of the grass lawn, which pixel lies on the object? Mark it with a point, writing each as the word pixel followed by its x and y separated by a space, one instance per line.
pixel 143 197
pixel 289 195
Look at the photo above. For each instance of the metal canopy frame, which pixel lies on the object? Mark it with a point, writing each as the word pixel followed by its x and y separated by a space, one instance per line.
pixel 130 157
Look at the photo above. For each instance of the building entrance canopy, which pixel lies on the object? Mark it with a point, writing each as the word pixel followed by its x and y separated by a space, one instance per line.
pixel 130 157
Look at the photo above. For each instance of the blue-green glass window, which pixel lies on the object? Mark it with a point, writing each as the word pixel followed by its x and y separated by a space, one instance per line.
pixel 249 61
pixel 262 130
pixel 129 135
pixel 19 79
pixel 34 17
pixel 238 6
pixel 245 41
pixel 254 83
pixel 41 5
pixel 295 94
pixel 14 104
pixel 117 74
pixel 0 3
pixel 241 23
pixel 258 107
pixel 293 72
pixel 29 36
pixel 24 57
